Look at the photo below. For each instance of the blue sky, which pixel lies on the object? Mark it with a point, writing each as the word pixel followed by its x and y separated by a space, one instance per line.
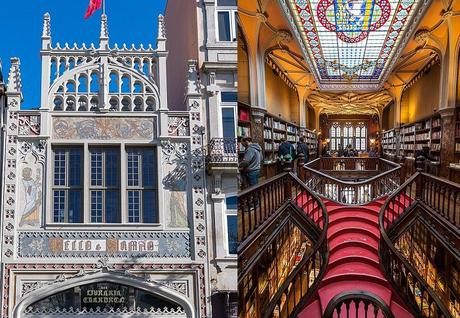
pixel 132 21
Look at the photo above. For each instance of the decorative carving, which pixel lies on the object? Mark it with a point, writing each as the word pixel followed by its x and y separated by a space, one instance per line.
pixel 104 128
pixel 46 25
pixel 180 287
pixel 173 152
pixel 161 27
pixel 104 312
pixel 28 287
pixel 32 156
pixel 14 79
pixel 178 126
pixel 29 125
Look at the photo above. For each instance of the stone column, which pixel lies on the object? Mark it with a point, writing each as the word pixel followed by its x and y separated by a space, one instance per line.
pixel 447 139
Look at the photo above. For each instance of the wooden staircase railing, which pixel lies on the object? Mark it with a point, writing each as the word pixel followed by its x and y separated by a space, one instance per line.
pixel 264 211
pixel 357 304
pixel 347 192
pixel 428 198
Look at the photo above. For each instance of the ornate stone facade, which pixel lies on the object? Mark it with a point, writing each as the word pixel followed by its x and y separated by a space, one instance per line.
pixel 106 96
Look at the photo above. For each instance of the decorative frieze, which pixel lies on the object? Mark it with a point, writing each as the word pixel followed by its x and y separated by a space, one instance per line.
pixel 104 128
pixel 104 244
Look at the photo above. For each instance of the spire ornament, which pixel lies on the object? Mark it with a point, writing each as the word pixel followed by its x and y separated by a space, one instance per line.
pixel 14 77
pixel 104 36
pixel 46 26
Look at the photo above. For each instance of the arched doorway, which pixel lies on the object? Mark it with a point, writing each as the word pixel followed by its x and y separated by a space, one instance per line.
pixel 104 295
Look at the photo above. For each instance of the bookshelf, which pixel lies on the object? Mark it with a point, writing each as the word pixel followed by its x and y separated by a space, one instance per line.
pixel 424 133
pixel 389 142
pixel 244 124
pixel 276 129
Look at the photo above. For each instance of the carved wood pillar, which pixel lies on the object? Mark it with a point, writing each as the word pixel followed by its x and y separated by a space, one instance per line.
pixel 447 139
pixel 257 126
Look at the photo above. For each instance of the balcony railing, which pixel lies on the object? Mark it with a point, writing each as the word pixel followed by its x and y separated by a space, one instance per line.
pixel 330 187
pixel 431 199
pixel 263 212
pixel 222 151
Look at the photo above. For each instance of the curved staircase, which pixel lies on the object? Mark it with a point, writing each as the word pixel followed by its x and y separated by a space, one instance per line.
pixel 353 238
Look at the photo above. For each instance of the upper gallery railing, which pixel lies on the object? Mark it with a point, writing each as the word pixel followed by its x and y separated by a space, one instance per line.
pixel 430 198
pixel 264 211
pixel 222 151
pixel 348 192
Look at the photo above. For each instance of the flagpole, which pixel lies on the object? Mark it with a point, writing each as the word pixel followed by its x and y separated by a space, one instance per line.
pixel 103 7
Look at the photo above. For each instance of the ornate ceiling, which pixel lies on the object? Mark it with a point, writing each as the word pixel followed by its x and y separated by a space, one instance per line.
pixel 271 28
pixel 352 44
pixel 349 102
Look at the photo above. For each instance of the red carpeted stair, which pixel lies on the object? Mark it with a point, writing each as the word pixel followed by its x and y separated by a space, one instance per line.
pixel 353 238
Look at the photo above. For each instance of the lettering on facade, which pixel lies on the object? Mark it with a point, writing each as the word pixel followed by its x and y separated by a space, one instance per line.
pixel 101 296
pixel 56 244
pixel 110 245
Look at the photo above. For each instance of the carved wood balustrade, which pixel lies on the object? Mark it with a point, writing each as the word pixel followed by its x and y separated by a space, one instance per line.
pixel 436 203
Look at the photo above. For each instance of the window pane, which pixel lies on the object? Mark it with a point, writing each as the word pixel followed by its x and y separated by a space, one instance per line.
pixel 59 206
pixel 75 165
pixel 224 26
pixel 96 206
pixel 232 203
pixel 96 167
pixel 111 167
pixel 75 207
pixel 228 122
pixel 59 167
pixel 229 97
pixel 232 233
pixel 112 207
pixel 149 168
pixel 134 207
pixel 150 206
pixel 133 168
pixel 227 3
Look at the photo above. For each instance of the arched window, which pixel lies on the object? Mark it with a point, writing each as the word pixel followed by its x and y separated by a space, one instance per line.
pixel 347 135
pixel 360 137
pixel 335 136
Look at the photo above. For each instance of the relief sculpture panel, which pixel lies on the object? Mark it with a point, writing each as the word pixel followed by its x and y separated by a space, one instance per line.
pixel 104 128
pixel 30 183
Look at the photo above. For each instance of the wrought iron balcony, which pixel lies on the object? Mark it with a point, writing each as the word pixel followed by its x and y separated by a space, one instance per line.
pixel 222 151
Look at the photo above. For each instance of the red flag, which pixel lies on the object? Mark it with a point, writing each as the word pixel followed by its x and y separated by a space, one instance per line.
pixel 92 7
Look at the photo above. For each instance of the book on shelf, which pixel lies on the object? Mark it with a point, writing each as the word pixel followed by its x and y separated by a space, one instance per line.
pixel 243 114
pixel 243 131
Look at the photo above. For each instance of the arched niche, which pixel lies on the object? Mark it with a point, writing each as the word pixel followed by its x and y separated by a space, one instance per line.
pixel 104 294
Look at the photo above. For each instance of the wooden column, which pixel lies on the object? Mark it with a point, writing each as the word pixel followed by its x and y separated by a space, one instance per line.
pixel 447 139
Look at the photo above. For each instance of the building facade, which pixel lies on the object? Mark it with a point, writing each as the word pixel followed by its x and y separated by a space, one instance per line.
pixel 104 210
pixel 206 30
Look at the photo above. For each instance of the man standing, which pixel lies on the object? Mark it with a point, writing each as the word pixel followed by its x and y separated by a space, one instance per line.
pixel 302 148
pixel 250 165
pixel 286 150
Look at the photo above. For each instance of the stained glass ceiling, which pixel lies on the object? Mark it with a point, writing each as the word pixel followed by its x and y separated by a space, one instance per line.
pixel 352 44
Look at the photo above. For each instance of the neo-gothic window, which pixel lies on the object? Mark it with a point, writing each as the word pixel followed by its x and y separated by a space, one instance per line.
pixel 142 185
pixel 360 138
pixel 226 20
pixel 68 185
pixel 348 135
pixel 335 137
pixel 105 185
